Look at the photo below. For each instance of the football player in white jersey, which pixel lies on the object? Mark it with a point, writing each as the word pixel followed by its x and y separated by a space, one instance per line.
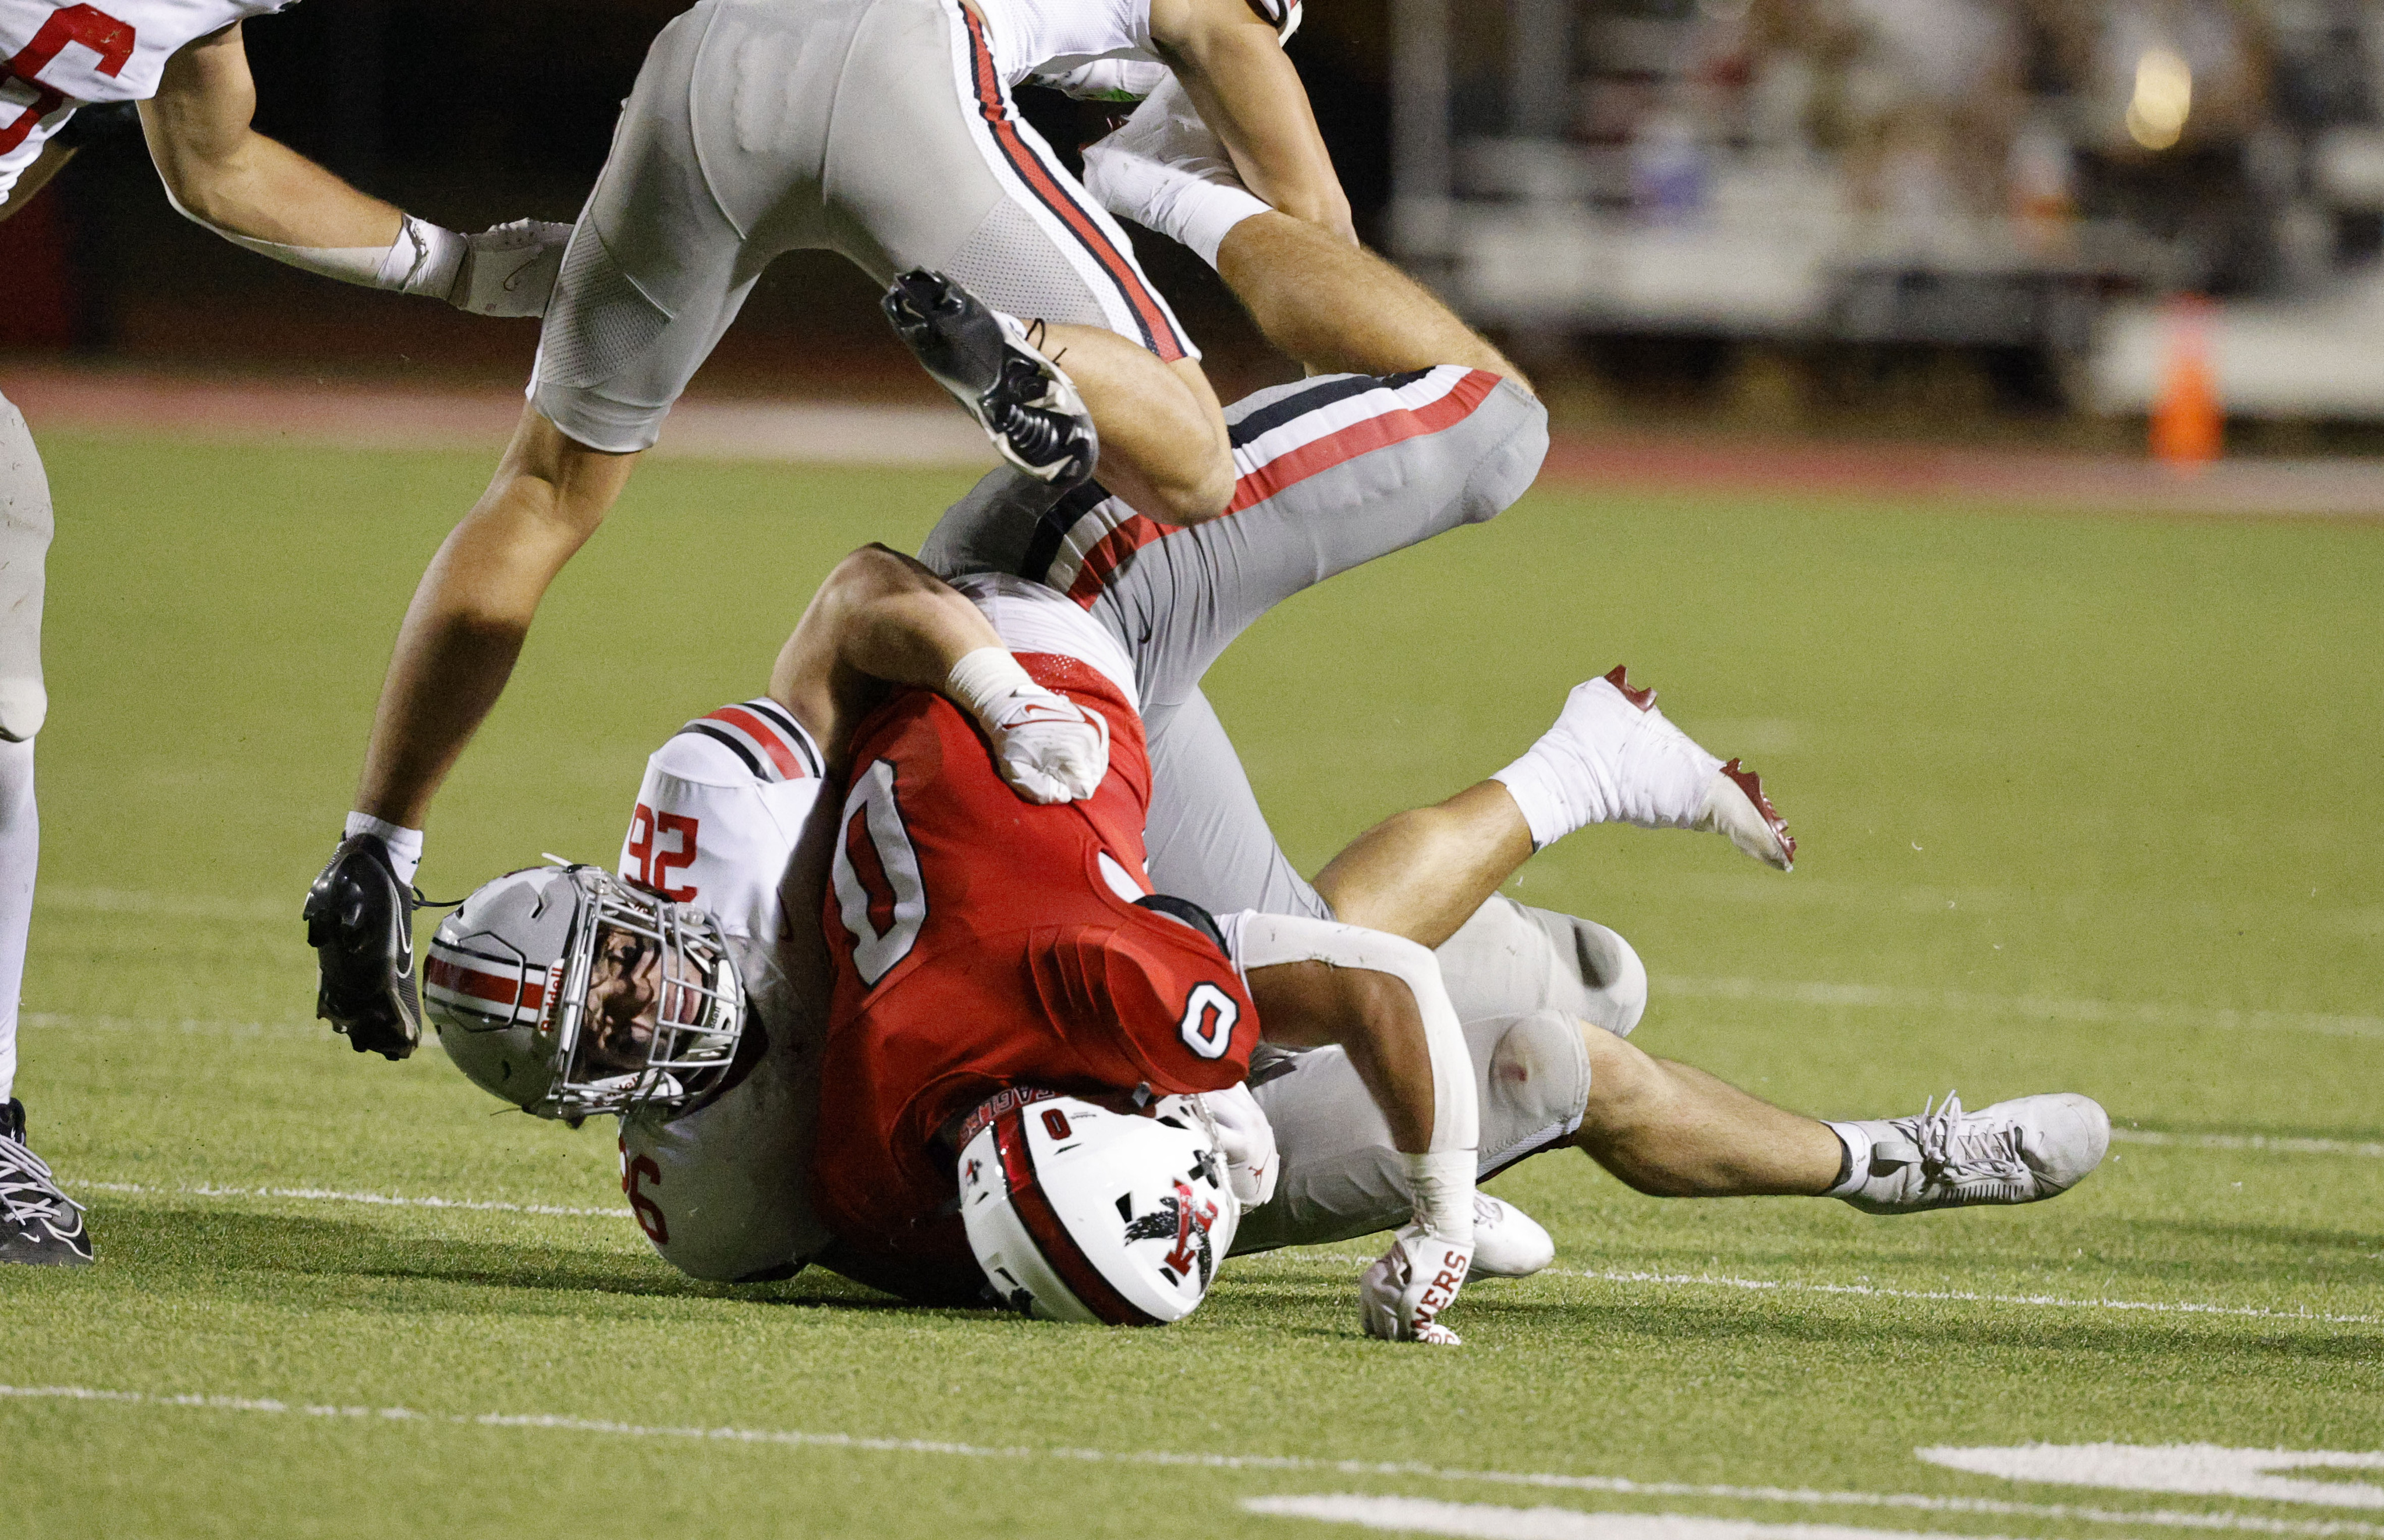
pixel 1341 469
pixel 183 62
pixel 884 130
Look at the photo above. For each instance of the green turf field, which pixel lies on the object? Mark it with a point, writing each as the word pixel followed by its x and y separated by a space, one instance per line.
pixel 2085 804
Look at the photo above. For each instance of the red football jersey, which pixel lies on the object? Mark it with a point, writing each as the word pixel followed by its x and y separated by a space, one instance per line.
pixel 981 942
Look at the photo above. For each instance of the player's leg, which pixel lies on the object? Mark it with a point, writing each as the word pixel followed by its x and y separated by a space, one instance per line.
pixel 1336 472
pixel 1671 1130
pixel 930 166
pixel 1341 1178
pixel 653 273
pixel 1329 304
pixel 38 1224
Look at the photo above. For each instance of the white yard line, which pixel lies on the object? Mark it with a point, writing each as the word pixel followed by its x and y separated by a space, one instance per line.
pixel 1488 1521
pixel 2275 1143
pixel 1958 1296
pixel 326 1194
pixel 1821 993
pixel 2020 1007
pixel 869 1444
pixel 1668 1280
pixel 54 1021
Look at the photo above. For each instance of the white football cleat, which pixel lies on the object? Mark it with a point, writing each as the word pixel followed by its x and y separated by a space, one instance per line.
pixel 2024 1150
pixel 1651 773
pixel 1508 1243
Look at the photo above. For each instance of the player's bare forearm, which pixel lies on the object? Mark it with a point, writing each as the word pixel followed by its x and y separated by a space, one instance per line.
pixel 879 618
pixel 49 162
pixel 1246 88
pixel 1338 307
pixel 463 630
pixel 219 168
pixel 1421 873
pixel 1372 1016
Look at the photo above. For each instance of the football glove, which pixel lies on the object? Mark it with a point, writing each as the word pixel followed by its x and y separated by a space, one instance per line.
pixel 510 269
pixel 1401 1296
pixel 1044 745
pixel 1246 1140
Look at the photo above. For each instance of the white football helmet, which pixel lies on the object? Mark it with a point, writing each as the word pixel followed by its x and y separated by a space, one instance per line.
pixel 567 992
pixel 1079 1213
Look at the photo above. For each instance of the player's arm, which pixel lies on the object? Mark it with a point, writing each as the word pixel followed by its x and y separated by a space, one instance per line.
pixel 257 193
pixel 1381 999
pixel 880 621
pixel 48 164
pixel 1234 67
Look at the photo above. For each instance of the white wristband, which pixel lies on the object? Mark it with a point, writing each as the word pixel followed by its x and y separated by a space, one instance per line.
pixel 1442 1185
pixel 1204 213
pixel 981 678
pixel 424 259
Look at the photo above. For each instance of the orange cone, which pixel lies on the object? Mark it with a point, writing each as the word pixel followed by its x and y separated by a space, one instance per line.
pixel 2189 428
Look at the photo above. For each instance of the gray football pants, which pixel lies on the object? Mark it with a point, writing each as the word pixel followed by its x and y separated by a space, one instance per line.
pixel 25 526
pixel 872 127
pixel 1334 471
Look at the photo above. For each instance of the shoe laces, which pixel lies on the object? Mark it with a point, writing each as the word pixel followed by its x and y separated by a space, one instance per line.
pixel 27 1191
pixel 1955 1147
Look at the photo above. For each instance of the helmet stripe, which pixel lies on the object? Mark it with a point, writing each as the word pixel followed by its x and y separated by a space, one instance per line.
pixel 1050 1235
pixel 521 994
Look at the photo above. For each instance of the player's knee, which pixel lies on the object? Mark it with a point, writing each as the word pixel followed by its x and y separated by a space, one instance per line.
pixel 1539 1076
pixel 1202 491
pixel 24 705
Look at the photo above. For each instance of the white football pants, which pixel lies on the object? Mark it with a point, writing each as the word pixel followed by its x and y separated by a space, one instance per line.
pixel 24 546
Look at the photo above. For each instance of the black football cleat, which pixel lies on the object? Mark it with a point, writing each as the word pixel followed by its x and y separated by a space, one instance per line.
pixel 360 922
pixel 39 1226
pixel 1026 406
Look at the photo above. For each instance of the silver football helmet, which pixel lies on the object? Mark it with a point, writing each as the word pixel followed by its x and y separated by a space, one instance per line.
pixel 567 992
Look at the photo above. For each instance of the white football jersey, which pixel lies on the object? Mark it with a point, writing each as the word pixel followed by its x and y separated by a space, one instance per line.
pixel 731 815
pixel 60 57
pixel 1051 37
pixel 1046 39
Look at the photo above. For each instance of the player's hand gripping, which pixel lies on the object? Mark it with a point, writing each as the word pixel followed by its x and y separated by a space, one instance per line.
pixel 510 269
pixel 1246 1140
pixel 1044 745
pixel 1402 1296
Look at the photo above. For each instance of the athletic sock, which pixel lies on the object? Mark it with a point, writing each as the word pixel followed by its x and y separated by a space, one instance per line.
pixel 404 845
pixel 21 848
pixel 1854 1165
pixel 1607 759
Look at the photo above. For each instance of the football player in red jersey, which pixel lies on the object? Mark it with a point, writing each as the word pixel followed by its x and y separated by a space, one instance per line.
pixel 980 945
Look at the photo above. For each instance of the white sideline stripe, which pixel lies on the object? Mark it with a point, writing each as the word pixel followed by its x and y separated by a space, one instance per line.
pixel 225 906
pixel 1791 1285
pixel 1488 1521
pixel 1971 1297
pixel 2277 1143
pixel 196 906
pixel 53 1021
pixel 2036 1007
pixel 1905 1501
pixel 325 1195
